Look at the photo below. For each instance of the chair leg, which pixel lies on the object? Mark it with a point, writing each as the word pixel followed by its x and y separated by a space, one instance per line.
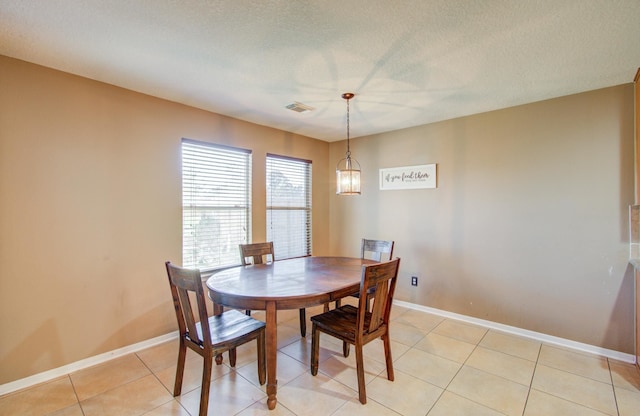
pixel 303 322
pixel 262 361
pixel 360 370
pixel 345 348
pixel 247 312
pixel 182 354
pixel 315 349
pixel 387 356
pixel 232 357
pixel 206 384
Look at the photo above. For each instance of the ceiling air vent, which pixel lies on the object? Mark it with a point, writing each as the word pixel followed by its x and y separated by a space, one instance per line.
pixel 299 107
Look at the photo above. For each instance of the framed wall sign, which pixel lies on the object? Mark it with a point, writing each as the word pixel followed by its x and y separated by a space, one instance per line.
pixel 408 177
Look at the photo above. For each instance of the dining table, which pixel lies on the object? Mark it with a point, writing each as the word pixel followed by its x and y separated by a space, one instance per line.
pixel 284 284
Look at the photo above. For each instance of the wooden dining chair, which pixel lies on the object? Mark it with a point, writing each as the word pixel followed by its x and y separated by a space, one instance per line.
pixel 258 253
pixel 359 326
pixel 210 336
pixel 377 250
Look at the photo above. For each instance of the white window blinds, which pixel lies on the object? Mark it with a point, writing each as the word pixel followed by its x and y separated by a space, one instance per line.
pixel 216 204
pixel 289 206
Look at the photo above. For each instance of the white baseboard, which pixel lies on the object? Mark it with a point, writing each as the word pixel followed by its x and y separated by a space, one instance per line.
pixel 549 339
pixel 87 362
pixel 101 358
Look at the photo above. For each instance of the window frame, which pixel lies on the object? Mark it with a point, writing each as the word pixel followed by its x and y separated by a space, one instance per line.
pixel 215 160
pixel 307 208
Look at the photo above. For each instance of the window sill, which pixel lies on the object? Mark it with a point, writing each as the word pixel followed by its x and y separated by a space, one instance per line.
pixel 207 273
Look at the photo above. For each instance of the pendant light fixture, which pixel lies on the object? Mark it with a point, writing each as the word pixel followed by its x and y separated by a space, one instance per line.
pixel 348 169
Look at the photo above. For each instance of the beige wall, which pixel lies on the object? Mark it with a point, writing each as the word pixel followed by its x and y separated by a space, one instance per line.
pixel 529 223
pixel 90 210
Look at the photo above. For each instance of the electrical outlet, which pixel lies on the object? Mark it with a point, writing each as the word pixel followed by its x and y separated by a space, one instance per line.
pixel 414 280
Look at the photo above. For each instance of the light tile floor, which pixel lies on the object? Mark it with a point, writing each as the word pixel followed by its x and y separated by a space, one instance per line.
pixel 443 367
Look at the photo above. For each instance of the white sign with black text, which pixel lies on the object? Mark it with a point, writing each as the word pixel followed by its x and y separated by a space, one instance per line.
pixel 408 177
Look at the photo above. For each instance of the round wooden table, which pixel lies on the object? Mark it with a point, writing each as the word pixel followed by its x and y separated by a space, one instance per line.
pixel 284 284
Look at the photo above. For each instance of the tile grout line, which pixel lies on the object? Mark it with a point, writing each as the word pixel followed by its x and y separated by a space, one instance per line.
pixel 446 388
pixel 577 375
pixel 529 386
pixel 413 347
pixel 533 374
pixel 73 386
pixel 173 398
pixel 613 387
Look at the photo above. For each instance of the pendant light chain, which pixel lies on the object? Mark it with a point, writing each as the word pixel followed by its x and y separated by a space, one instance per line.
pixel 348 147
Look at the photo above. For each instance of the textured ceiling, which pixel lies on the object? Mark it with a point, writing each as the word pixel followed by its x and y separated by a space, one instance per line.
pixel 408 62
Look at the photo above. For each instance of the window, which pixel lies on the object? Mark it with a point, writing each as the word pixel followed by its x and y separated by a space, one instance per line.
pixel 289 206
pixel 216 204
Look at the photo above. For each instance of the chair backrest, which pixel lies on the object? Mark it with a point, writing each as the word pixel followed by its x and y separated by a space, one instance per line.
pixel 182 282
pixel 381 279
pixel 257 253
pixel 374 250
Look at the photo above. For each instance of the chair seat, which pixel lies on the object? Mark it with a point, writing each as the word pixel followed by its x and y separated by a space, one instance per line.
pixel 340 322
pixel 230 328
